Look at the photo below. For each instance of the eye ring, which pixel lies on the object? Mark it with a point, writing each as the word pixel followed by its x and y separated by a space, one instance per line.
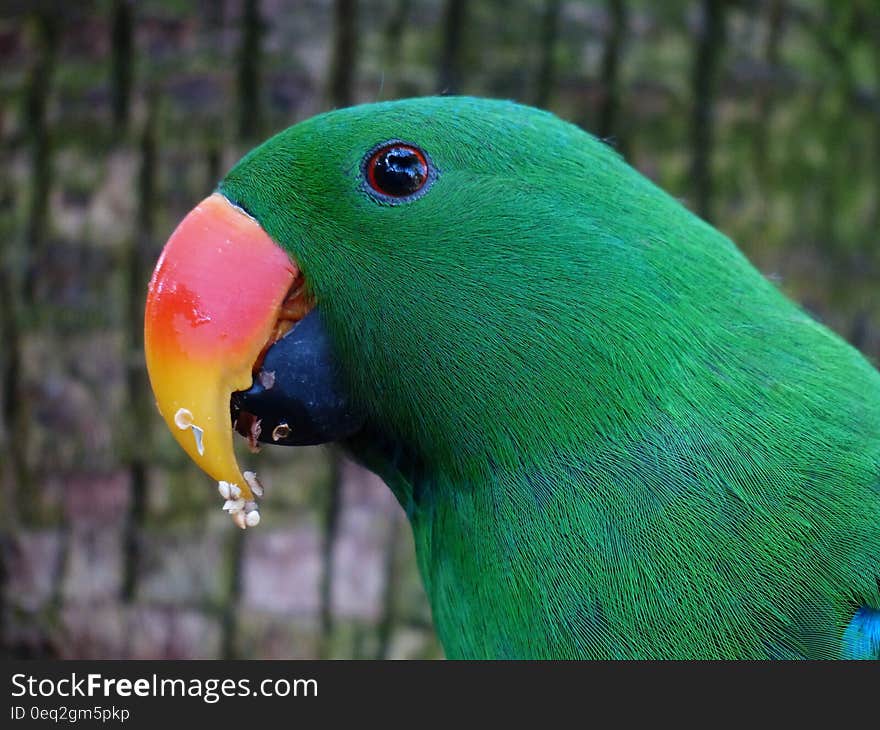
pixel 397 172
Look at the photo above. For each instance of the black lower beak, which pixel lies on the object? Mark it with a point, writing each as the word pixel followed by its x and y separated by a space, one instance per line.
pixel 297 396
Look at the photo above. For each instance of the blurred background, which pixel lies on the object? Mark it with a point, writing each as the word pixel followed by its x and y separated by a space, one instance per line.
pixel 117 116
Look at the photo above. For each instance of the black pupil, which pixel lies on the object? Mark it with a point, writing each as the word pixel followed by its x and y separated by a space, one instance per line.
pixel 399 171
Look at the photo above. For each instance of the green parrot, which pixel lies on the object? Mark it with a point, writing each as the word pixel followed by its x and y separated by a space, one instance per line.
pixel 612 436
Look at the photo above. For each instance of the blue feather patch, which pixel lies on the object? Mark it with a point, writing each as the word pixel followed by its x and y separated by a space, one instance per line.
pixel 861 640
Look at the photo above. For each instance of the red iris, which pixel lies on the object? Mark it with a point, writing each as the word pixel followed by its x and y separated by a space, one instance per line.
pixel 397 170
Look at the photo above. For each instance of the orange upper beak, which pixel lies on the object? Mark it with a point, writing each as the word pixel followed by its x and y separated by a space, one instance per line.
pixel 212 306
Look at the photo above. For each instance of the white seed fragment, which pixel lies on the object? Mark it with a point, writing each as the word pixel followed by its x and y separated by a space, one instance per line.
pixel 267 379
pixel 244 513
pixel 200 445
pixel 281 431
pixel 233 505
pixel 254 483
pixel 252 519
pixel 183 419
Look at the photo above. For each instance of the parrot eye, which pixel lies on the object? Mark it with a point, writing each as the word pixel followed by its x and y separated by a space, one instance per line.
pixel 397 172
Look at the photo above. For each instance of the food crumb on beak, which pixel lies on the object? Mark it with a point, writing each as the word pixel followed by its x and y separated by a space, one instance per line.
pixel 281 431
pixel 250 427
pixel 200 445
pixel 254 483
pixel 233 505
pixel 183 419
pixel 267 379
pixel 254 437
pixel 244 513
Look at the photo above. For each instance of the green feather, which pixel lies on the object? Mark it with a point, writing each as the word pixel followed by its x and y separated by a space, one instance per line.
pixel 612 435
